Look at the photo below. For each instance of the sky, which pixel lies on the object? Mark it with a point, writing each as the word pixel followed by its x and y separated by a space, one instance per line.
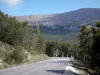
pixel 35 7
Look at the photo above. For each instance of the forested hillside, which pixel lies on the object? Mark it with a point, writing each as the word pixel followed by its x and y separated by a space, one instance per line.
pixel 63 23
pixel 19 43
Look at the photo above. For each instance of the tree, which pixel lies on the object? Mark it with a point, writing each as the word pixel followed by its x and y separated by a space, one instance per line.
pixel 96 45
pixel 51 47
pixel 83 37
pixel 90 46
pixel 98 24
pixel 64 48
pixel 37 29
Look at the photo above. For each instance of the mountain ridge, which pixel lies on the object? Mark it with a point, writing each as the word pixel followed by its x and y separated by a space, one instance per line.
pixel 63 25
pixel 75 17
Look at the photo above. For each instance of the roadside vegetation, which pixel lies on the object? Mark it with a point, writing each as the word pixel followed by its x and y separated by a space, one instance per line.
pixel 88 50
pixel 19 43
pixel 60 49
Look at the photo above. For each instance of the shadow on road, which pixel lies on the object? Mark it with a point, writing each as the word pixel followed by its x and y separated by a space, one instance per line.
pixel 56 71
pixel 62 72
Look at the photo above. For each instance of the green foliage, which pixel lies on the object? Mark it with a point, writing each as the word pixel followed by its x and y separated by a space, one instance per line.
pixel 89 47
pixel 21 37
pixel 37 29
pixel 98 24
pixel 60 49
pixel 83 37
pixel 64 48
pixel 50 47
pixel 41 45
pixel 96 46
pixel 18 54
pixel 12 31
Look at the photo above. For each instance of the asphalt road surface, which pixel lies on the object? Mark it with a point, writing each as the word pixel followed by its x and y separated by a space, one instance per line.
pixel 53 66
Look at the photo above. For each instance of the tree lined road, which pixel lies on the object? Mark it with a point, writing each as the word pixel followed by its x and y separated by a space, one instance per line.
pixel 53 66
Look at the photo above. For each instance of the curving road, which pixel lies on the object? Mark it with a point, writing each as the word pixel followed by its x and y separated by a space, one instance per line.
pixel 53 66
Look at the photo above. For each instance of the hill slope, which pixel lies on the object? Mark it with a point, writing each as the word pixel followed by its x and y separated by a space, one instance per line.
pixel 75 17
pixel 18 42
pixel 63 23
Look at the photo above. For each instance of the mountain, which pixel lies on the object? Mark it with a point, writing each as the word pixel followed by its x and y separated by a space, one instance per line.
pixel 75 17
pixel 63 23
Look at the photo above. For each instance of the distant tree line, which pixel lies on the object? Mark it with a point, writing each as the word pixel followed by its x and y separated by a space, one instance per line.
pixel 57 29
pixel 58 49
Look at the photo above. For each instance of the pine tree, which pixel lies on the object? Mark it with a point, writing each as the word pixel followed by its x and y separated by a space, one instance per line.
pixel 37 29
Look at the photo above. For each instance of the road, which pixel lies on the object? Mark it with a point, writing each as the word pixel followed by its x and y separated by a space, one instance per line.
pixel 53 66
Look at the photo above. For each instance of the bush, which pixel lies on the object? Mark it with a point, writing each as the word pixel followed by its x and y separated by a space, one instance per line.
pixel 18 54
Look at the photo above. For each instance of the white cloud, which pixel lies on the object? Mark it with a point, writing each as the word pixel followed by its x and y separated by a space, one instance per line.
pixel 13 2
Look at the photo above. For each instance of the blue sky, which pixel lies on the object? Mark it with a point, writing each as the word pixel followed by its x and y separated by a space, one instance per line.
pixel 34 7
